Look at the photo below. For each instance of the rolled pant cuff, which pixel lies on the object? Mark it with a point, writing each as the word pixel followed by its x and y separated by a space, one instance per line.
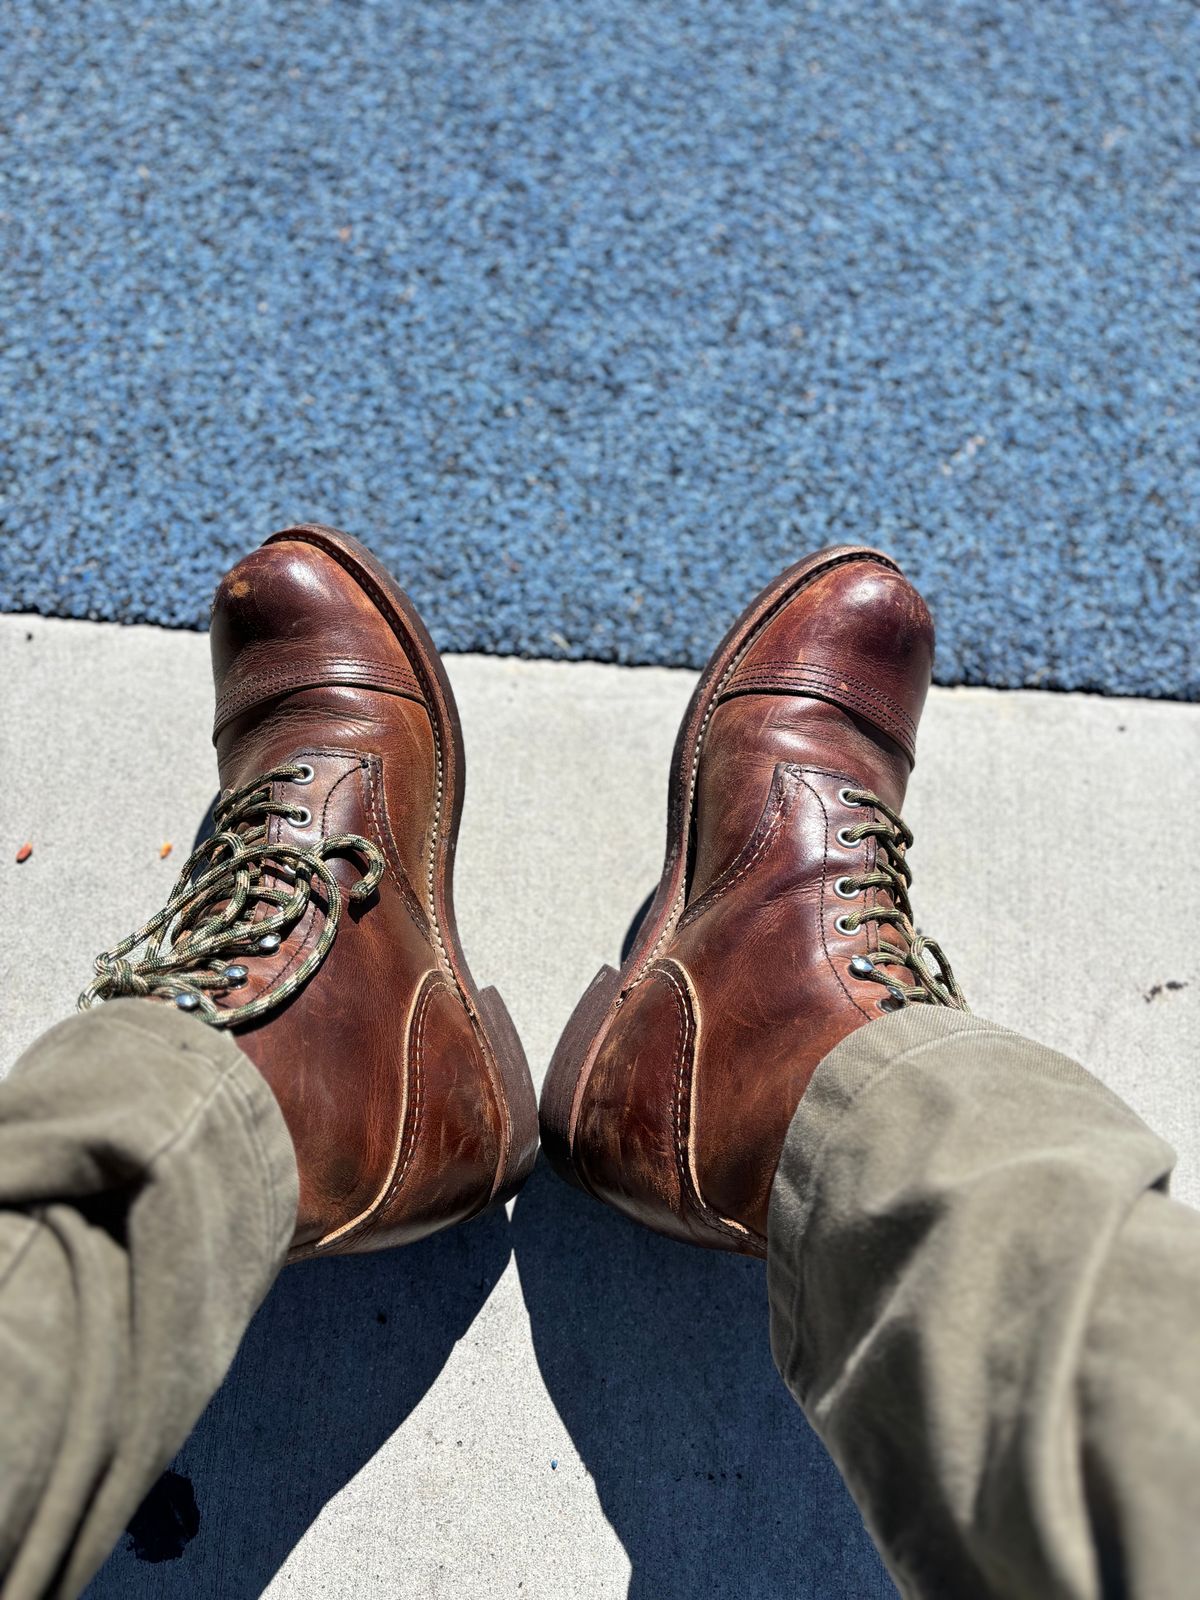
pixel 843 1076
pixel 170 1079
pixel 865 1130
pixel 148 1193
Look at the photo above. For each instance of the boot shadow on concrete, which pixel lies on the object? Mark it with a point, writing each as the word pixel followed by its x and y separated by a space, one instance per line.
pixel 657 1357
pixel 340 1353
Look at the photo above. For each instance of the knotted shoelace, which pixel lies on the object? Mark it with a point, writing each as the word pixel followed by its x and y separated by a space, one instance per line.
pixel 935 983
pixel 188 951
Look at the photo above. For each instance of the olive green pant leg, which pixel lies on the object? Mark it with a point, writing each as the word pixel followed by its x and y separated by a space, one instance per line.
pixel 989 1308
pixel 147 1198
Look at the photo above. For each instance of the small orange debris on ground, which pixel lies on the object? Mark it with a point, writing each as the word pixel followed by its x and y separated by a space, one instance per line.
pixel 24 853
pixel 166 849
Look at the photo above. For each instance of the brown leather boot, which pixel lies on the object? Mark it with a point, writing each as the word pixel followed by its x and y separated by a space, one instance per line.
pixel 782 921
pixel 318 922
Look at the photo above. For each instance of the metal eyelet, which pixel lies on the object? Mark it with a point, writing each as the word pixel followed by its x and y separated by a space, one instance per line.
pixel 889 1003
pixel 845 841
pixel 844 893
pixel 236 974
pixel 845 800
pixel 301 817
pixel 306 773
pixel 843 928
pixel 862 966
pixel 268 944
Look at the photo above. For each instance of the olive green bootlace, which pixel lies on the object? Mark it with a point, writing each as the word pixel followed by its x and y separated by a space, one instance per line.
pixel 188 951
pixel 935 984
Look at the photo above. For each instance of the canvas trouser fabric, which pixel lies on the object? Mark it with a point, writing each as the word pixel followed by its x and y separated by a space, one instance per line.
pixel 981 1294
pixel 988 1306
pixel 148 1195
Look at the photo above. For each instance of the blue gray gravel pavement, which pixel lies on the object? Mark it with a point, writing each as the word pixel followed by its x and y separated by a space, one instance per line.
pixel 591 314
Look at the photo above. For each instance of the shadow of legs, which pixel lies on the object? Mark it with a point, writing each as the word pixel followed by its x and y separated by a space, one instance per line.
pixel 656 1355
pixel 339 1354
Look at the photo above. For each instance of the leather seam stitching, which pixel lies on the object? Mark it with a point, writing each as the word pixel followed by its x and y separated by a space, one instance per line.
pixel 271 681
pixel 413 1136
pixel 388 668
pixel 365 581
pixel 685 1057
pixel 378 812
pixel 768 669
pixel 739 655
pixel 747 857
pixel 369 1220
pixel 757 844
pixel 313 673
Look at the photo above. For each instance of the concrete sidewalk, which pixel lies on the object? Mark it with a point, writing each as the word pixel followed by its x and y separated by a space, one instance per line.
pixel 559 1404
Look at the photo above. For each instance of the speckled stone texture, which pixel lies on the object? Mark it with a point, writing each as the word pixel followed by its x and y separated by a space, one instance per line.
pixel 591 314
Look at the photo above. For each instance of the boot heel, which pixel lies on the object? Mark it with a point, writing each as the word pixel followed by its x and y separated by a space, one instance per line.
pixel 567 1066
pixel 518 1088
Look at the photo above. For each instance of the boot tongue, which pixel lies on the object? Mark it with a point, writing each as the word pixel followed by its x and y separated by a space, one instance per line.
pixel 749 735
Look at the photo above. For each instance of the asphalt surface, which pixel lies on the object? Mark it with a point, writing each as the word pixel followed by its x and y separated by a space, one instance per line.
pixel 590 316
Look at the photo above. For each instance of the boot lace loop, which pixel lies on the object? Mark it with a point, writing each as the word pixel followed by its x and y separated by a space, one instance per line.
pixel 189 950
pixel 917 957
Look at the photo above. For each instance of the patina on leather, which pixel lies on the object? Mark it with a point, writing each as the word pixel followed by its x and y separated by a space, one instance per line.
pixel 782 922
pixel 403 1086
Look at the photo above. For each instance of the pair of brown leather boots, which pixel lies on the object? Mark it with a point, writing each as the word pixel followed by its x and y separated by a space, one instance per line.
pixel 317 921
